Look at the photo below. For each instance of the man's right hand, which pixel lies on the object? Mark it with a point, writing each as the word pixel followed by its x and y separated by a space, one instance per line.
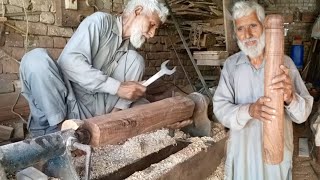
pixel 259 110
pixel 131 90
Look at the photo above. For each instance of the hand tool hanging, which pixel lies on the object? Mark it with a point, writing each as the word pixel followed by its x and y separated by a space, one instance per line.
pixel 188 51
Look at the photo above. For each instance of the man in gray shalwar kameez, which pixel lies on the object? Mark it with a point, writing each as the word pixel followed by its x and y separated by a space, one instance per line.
pixel 238 101
pixel 97 72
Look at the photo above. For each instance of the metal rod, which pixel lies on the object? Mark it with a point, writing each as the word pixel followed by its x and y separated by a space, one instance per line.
pixel 184 70
pixel 87 149
pixel 188 51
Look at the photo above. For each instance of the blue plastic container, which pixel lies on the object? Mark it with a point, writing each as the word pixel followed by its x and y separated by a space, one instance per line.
pixel 297 53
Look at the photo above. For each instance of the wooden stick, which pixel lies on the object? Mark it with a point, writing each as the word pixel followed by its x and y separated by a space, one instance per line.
pixel 116 127
pixel 273 139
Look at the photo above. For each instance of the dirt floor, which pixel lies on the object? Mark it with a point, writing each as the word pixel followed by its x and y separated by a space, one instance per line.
pixel 304 168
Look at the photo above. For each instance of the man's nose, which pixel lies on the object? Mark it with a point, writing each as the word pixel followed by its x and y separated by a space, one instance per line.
pixel 151 33
pixel 248 33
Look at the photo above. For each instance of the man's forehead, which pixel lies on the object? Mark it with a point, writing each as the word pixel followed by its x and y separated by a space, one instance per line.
pixel 155 17
pixel 252 17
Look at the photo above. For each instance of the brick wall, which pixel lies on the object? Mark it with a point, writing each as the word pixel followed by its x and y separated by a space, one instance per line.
pixel 44 32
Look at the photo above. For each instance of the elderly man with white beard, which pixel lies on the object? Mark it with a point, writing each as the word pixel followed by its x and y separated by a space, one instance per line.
pixel 239 102
pixel 97 72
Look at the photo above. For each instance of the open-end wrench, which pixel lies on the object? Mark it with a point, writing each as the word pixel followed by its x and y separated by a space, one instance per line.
pixel 164 70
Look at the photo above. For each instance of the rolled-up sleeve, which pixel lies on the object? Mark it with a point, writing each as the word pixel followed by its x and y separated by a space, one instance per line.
pixel 76 59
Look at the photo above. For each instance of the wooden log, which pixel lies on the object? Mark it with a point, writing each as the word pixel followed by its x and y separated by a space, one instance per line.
pixel 273 139
pixel 116 127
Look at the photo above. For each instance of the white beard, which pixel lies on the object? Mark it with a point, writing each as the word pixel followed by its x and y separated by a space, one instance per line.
pixel 136 38
pixel 253 51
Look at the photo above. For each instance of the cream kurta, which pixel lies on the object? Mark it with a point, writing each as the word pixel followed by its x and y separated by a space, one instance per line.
pixel 241 84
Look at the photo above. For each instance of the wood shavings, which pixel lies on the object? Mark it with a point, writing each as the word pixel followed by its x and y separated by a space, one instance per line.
pixel 167 164
pixel 110 158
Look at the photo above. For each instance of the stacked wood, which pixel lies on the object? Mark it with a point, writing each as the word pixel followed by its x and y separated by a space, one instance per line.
pixel 201 9
pixel 201 22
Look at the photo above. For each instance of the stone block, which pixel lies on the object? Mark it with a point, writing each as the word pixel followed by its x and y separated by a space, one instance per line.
pixel 42 5
pixel 17 53
pixel 13 9
pixel 33 18
pixel 14 40
pixel 6 86
pixel 20 3
pixel 45 41
pixel 47 17
pixel 59 42
pixel 54 53
pixel 34 28
pixel 1 68
pixel 59 31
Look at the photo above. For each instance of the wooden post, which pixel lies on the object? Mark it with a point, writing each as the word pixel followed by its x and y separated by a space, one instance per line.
pixel 273 139
pixel 118 126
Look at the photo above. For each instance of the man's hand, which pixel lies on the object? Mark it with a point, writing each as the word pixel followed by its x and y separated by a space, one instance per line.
pixel 131 90
pixel 259 110
pixel 283 83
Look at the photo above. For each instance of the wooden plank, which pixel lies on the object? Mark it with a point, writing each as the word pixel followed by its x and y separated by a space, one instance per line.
pixel 273 133
pixel 210 62
pixel 231 44
pixel 5 132
pixel 116 127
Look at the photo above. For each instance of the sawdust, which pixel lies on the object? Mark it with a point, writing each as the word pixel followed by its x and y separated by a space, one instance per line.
pixel 167 164
pixel 110 158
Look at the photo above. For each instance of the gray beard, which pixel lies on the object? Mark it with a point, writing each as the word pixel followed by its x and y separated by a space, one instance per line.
pixel 253 51
pixel 136 38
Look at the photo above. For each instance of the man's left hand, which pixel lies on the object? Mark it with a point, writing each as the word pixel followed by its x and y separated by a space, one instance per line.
pixel 283 83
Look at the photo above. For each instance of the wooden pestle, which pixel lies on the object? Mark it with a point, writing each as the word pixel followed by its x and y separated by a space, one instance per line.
pixel 273 133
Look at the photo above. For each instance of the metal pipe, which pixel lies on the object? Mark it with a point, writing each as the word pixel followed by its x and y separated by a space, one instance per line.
pixel 26 153
pixel 188 51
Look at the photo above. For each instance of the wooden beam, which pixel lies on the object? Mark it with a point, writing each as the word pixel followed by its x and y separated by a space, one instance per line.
pixel 273 139
pixel 116 127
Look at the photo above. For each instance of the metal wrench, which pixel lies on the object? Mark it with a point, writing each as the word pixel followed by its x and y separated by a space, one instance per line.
pixel 164 70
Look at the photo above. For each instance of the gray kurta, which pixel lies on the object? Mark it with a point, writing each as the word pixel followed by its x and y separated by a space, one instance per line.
pixel 85 82
pixel 241 84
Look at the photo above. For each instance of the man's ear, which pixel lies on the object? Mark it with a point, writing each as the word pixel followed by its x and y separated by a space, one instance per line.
pixel 138 10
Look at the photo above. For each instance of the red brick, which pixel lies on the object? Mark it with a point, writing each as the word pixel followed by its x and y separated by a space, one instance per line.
pixel 45 41
pixel 17 53
pixel 55 53
pixel 59 42
pixel 9 76
pixel 14 40
pixel 10 66
pixel 6 86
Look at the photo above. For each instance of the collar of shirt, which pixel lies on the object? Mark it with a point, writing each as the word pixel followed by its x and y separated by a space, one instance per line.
pixel 125 43
pixel 243 59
